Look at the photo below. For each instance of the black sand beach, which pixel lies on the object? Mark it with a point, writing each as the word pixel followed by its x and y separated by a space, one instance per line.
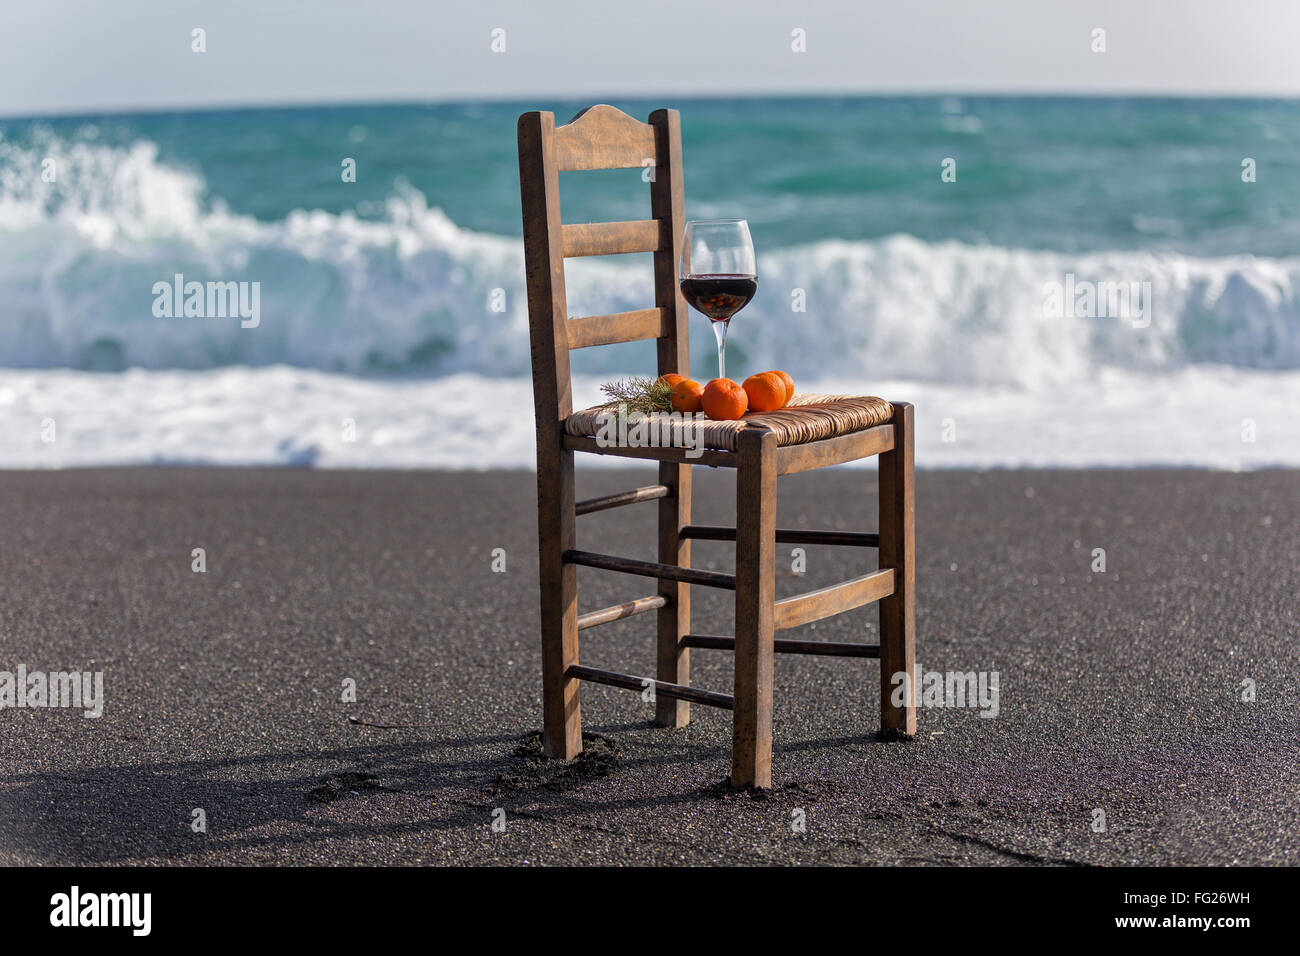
pixel 1119 691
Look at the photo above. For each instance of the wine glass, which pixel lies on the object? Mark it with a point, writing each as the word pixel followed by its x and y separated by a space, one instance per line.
pixel 717 273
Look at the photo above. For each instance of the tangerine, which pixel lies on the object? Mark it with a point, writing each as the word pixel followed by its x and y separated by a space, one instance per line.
pixel 686 396
pixel 789 384
pixel 724 400
pixel 766 391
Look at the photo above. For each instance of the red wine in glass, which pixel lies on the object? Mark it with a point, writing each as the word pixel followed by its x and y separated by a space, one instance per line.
pixel 718 296
pixel 717 274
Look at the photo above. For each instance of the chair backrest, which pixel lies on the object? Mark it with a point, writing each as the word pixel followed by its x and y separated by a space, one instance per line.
pixel 600 137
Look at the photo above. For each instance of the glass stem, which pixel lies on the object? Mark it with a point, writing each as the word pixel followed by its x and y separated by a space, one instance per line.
pixel 720 333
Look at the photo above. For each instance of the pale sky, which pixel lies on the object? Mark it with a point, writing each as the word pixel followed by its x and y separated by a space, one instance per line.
pixel 61 56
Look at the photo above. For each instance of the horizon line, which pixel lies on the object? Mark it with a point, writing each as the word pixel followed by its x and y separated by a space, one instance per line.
pixel 400 100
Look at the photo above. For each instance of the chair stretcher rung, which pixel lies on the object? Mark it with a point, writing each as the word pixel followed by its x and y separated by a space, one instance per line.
pixel 710 457
pixel 782 645
pixel 648 493
pixel 662 688
pixel 815 605
pixel 651 569
pixel 857 539
pixel 619 611
pixel 806 456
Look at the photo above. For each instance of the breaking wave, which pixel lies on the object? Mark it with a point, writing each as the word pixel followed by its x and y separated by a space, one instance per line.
pixel 410 292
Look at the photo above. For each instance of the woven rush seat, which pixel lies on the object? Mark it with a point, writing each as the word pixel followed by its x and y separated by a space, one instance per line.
pixel 807 418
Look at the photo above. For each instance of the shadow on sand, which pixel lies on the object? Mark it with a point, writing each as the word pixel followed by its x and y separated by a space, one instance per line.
pixel 273 802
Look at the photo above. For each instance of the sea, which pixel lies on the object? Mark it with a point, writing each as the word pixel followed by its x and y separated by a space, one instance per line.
pixel 1053 282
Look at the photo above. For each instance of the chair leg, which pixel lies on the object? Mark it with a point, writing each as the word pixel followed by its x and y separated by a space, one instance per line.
pixel 556 532
pixel 674 660
pixel 751 746
pixel 897 550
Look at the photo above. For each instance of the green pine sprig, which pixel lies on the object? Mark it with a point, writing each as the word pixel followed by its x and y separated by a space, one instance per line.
pixel 640 393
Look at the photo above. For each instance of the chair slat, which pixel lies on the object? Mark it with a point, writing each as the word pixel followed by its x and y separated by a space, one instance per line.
pixel 613 238
pixel 662 688
pixel 602 137
pixel 647 493
pixel 782 645
pixel 834 451
pixel 617 327
pixel 619 611
pixel 815 605
pixel 856 539
pixel 651 569
pixel 682 456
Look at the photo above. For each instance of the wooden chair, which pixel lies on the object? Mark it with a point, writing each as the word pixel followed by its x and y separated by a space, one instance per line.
pixel 602 137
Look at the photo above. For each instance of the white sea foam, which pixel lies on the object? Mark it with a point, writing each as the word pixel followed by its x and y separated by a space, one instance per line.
pixel 388 322
pixel 285 416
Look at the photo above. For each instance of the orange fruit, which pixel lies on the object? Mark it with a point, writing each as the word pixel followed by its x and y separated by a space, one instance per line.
pixel 766 391
pixel 789 384
pixel 723 400
pixel 686 396
pixel 672 378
